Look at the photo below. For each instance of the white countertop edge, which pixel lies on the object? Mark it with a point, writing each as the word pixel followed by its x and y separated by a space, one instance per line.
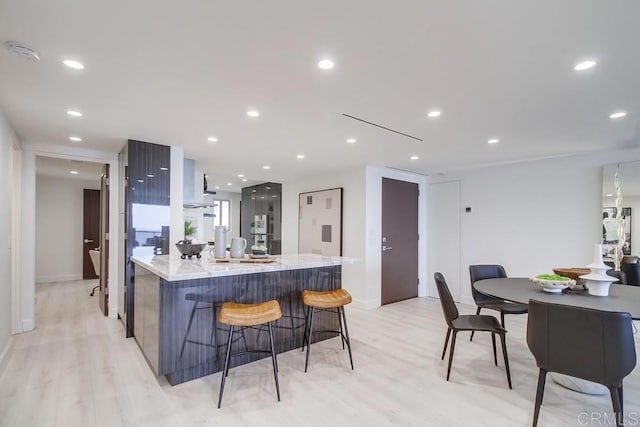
pixel 166 266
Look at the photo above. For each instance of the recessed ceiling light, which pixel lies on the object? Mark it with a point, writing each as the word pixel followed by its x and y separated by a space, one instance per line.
pixel 617 114
pixel 229 183
pixel 164 169
pixel 584 65
pixel 300 156
pixel 266 167
pixel 212 139
pixel 244 179
pixel 240 175
pixel 493 141
pixel 609 195
pixel 73 172
pixel 74 113
pixel 73 64
pixel 150 175
pixel 268 188
pixel 351 140
pixel 434 113
pixel 141 180
pixel 326 64
pixel 75 139
pixel 253 191
pixel 414 158
pixel 262 197
pixel 216 187
pixel 252 113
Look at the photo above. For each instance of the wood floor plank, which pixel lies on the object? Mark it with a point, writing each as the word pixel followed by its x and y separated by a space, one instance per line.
pixel 77 369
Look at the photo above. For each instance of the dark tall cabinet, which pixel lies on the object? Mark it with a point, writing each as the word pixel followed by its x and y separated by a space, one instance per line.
pixel 146 209
pixel 261 219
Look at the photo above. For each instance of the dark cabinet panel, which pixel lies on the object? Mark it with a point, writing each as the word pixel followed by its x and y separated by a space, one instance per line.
pixel 147 213
pixel 261 217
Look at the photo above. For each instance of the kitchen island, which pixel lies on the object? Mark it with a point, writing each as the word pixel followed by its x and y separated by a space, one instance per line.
pixel 175 304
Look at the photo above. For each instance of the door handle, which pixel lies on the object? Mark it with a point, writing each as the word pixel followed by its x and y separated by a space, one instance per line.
pixel 386 248
pixel 88 240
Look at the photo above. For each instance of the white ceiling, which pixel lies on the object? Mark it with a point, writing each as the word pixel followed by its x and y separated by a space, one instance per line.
pixel 61 168
pixel 178 72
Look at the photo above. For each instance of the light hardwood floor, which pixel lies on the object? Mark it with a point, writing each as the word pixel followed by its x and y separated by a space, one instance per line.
pixel 77 369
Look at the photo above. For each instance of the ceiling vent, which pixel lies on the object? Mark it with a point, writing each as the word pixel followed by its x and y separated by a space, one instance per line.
pixel 349 116
pixel 23 50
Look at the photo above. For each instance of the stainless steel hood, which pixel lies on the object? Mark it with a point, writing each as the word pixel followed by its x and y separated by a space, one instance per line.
pixel 190 178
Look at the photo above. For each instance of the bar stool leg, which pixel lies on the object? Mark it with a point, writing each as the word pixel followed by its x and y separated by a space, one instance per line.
pixel 340 326
pixel 346 329
pixel 274 361
pixel 306 363
pixel 225 371
pixel 186 334
pixel 293 330
pixel 306 326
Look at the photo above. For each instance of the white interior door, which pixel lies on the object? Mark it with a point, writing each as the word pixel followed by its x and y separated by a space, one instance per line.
pixel 444 235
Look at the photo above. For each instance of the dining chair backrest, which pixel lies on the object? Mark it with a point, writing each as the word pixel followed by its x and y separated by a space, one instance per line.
pixel 632 271
pixel 481 272
pixel 446 300
pixel 581 342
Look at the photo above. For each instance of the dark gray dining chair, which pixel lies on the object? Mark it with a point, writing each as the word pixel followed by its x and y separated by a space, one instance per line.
pixel 584 343
pixel 457 323
pixel 491 271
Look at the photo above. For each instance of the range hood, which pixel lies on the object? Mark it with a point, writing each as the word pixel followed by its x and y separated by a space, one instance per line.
pixel 191 180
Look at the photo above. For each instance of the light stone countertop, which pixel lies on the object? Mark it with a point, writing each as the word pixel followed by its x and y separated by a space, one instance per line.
pixel 172 268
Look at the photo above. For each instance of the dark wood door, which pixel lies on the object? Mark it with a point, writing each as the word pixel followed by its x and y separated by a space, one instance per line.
pixel 399 240
pixel 91 231
pixel 103 296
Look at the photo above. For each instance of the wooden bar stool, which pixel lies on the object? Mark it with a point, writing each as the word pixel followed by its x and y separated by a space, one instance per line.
pixel 326 301
pixel 249 316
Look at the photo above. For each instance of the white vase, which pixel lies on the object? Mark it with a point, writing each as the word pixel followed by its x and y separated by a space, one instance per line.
pixel 598 282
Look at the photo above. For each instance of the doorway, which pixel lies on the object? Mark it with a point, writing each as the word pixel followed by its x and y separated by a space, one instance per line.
pixel 67 221
pixel 103 299
pixel 91 232
pixel 399 267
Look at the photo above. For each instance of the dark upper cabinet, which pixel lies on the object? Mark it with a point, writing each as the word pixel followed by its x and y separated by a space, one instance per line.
pixel 148 173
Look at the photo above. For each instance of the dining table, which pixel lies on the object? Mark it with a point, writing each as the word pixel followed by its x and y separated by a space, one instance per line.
pixel 621 298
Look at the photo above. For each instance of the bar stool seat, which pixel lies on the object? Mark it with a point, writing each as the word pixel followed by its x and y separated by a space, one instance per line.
pixel 243 316
pixel 236 314
pixel 326 301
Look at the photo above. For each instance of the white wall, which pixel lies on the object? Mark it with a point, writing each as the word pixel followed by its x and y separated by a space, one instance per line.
pixel 532 216
pixel 353 222
pixel 59 227
pixel 7 141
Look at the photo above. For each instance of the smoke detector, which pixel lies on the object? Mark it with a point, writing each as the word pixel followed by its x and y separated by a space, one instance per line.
pixel 23 50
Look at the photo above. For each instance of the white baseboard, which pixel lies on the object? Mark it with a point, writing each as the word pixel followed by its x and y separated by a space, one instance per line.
pixel 27 325
pixel 59 278
pixel 4 356
pixel 365 304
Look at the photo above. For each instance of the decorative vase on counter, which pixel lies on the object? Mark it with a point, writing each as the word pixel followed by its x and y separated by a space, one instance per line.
pixel 598 282
pixel 221 241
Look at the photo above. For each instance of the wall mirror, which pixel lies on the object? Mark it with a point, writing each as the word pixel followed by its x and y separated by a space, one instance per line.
pixel 629 174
